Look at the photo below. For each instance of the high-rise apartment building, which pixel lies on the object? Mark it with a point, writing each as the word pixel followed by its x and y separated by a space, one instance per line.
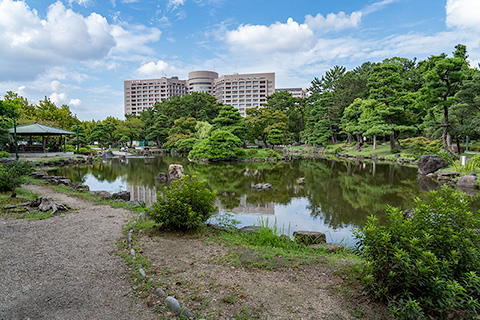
pixel 142 94
pixel 242 91
pixel 201 81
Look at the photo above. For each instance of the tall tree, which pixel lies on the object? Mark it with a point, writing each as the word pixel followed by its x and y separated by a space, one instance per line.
pixel 443 81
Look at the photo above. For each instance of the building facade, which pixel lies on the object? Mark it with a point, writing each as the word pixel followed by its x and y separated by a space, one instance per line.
pixel 201 81
pixel 295 92
pixel 142 94
pixel 242 91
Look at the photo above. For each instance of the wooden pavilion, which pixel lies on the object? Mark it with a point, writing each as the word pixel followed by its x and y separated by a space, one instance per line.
pixel 38 130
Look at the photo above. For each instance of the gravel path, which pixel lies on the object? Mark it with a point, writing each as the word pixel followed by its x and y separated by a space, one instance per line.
pixel 64 267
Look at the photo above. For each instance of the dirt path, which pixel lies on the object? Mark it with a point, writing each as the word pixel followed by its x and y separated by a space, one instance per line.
pixel 64 267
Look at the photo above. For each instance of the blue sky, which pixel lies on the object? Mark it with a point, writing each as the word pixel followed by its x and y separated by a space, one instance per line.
pixel 79 52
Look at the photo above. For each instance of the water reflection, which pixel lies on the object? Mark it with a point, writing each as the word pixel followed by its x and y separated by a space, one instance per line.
pixel 336 196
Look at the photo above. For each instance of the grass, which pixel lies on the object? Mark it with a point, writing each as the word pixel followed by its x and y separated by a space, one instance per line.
pixel 23 196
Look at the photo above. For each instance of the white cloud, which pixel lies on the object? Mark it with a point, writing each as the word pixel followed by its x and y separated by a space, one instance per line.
pixel 76 103
pixel 155 69
pixel 31 44
pixel 334 21
pixel 278 37
pixel 83 3
pixel 463 14
pixel 173 4
pixel 58 98
pixel 134 39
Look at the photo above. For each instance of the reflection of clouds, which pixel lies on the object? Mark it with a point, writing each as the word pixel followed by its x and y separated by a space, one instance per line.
pixel 114 186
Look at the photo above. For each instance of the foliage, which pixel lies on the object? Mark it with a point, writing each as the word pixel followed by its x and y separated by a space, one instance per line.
pixel 185 145
pixel 418 146
pixel 221 145
pixel 12 174
pixel 186 204
pixel 70 148
pixel 4 154
pixel 426 265
pixel 470 166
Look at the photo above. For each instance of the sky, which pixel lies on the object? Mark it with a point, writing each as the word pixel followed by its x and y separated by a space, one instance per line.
pixel 79 52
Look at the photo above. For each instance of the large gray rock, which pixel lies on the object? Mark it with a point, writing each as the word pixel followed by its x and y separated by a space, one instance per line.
pixel 107 154
pixel 124 195
pixel 162 177
pixel 467 181
pixel 430 163
pixel 175 172
pixel 309 237
pixel 262 186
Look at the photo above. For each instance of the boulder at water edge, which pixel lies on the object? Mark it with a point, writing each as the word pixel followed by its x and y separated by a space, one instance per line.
pixel 175 172
pixel 431 163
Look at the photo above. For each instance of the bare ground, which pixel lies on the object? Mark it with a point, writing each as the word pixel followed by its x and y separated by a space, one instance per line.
pixel 65 267
pixel 222 282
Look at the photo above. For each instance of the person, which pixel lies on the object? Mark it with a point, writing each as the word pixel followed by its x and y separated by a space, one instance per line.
pixel 126 149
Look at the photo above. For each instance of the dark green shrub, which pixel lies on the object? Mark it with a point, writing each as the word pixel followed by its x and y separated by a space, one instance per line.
pixel 4 154
pixel 395 150
pixel 252 152
pixel 448 157
pixel 338 149
pixel 70 148
pixel 13 174
pixel 186 204
pixel 427 265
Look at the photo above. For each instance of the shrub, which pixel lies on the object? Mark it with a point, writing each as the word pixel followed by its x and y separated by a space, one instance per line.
pixel 70 148
pixel 186 204
pixel 338 149
pixel 221 145
pixel 395 150
pixel 427 265
pixel 4 154
pixel 418 146
pixel 252 152
pixel 13 174
pixel 476 160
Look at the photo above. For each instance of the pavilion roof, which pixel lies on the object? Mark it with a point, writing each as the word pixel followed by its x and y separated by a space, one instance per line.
pixel 37 129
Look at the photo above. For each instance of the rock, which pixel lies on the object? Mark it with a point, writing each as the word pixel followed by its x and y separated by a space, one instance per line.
pixel 329 247
pixel 132 252
pixel 430 163
pixel 185 313
pixel 124 195
pixel 102 194
pixel 38 174
pixel 262 186
pixel 467 181
pixel 448 174
pixel 107 154
pixel 249 229
pixel 310 237
pixel 80 187
pixel 162 177
pixel 172 304
pixel 159 292
pixel 175 172
pixel 142 272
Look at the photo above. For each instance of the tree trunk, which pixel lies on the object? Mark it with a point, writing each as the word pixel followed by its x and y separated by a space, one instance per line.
pixel 374 142
pixel 459 151
pixel 349 138
pixel 392 140
pixel 445 130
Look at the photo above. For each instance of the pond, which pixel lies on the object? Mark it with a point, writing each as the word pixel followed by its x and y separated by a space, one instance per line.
pixel 336 197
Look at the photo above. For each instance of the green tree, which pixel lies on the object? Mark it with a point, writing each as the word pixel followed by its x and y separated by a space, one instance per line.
pixel 130 130
pixel 221 145
pixel 443 81
pixel 230 119
pixel 261 120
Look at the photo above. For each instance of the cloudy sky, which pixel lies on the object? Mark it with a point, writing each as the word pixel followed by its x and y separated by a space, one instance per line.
pixel 79 52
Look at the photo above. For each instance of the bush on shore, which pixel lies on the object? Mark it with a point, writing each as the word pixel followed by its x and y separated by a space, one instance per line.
pixel 426 265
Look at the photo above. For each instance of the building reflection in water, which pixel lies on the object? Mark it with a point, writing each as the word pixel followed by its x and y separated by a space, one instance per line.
pixel 250 208
pixel 142 194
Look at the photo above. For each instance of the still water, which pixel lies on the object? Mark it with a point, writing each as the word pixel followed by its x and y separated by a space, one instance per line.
pixel 336 197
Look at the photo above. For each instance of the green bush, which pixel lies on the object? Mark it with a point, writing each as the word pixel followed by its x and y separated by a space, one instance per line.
pixel 476 160
pixel 448 157
pixel 428 265
pixel 70 148
pixel 338 149
pixel 186 204
pixel 395 150
pixel 4 154
pixel 13 174
pixel 418 146
pixel 252 152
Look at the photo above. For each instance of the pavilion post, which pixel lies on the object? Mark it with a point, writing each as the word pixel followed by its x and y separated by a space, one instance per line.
pixel 15 135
